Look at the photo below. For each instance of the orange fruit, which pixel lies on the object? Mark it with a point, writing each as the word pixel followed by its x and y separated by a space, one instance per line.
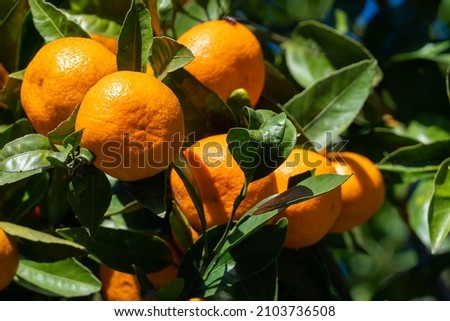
pixel 58 77
pixel 9 259
pixel 227 57
pixel 120 286
pixel 311 220
pixel 219 180
pixel 109 42
pixel 133 123
pixel 362 194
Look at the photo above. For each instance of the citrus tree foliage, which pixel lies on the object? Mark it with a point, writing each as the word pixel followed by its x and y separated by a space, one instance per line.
pixel 336 77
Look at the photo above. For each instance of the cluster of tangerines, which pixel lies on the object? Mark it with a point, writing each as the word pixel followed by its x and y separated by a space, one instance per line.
pixel 78 71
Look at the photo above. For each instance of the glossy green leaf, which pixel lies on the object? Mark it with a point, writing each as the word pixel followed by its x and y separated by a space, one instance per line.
pixel 27 143
pixel 67 278
pixel 315 51
pixel 415 282
pixel 52 23
pixel 121 249
pixel 330 105
pixel 204 112
pixel 439 211
pixel 95 24
pixel 418 158
pixel 150 192
pixel 167 55
pixel 135 38
pixel 263 286
pixel 258 152
pixel 89 194
pixel 64 129
pixel 42 247
pixel 238 101
pixel 180 228
pixel 418 208
pixel 171 290
pixel 255 254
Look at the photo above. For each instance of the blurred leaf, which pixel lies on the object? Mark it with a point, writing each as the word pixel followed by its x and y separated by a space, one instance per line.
pixel 437 52
pixel 180 228
pixel 439 211
pixel 171 290
pixel 418 207
pixel 256 253
pixel 417 158
pixel 204 112
pixel 258 152
pixel 308 9
pixel 64 129
pixel 150 192
pixel 278 89
pixel 33 192
pixel 330 105
pixel 428 128
pixel 95 24
pixel 89 194
pixel 315 51
pixel 67 278
pixel 121 249
pixel 12 14
pixel 303 276
pixel 31 41
pixel 15 130
pixel 42 247
pixel 415 282
pixel 52 23
pixel 263 286
pixel 18 75
pixel 378 142
pixel 135 38
pixel 167 55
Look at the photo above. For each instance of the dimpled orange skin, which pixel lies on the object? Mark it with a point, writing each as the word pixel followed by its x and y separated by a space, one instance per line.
pixel 219 180
pixel 362 194
pixel 9 259
pixel 309 221
pixel 133 123
pixel 58 77
pixel 227 57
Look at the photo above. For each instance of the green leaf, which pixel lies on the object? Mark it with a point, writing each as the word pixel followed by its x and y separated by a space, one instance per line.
pixel 64 129
pixel 258 152
pixel 204 112
pixel 15 130
pixel 67 278
pixel 418 207
pixel 431 51
pixel 330 105
pixel 255 254
pixel 56 203
pixel 135 38
pixel 167 55
pixel 94 24
pixel 17 75
pixel 41 246
pixel 150 192
pixel 315 51
pixel 263 286
pixel 418 158
pixel 171 290
pixel 52 23
pixel 415 282
pixel 89 194
pixel 180 228
pixel 447 82
pixel 121 249
pixel 439 211
pixel 27 143
pixel 238 101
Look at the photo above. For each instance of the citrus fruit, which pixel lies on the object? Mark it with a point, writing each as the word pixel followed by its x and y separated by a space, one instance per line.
pixel 133 123
pixel 109 42
pixel 118 286
pixel 227 57
pixel 9 259
pixel 58 77
pixel 219 180
pixel 311 220
pixel 362 193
